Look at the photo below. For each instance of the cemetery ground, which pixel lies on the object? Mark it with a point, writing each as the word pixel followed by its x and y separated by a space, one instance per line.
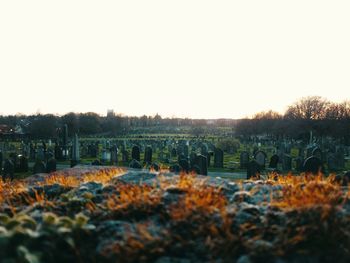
pixel 113 214
pixel 171 198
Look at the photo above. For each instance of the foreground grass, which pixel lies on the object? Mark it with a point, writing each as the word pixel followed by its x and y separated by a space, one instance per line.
pixel 106 216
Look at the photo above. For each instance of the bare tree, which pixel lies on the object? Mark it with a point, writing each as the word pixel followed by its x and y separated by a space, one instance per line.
pixel 308 108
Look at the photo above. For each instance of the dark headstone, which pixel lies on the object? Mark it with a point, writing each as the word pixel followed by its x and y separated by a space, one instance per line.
pixel 65 141
pixel 14 159
pixel 274 161
pixel 114 155
pixel 39 167
pixel 184 165
pixel 23 164
pixel 209 154
pixel 1 158
pixel 299 163
pixel 135 153
pixel 51 165
pixel 313 165
pixel 201 162
pixel 193 156
pixel 340 154
pixel 9 170
pixel 287 162
pixel 186 150
pixel 332 162
pixel 125 156
pixel 58 152
pixel 148 155
pixel 260 157
pixel 175 168
pixel 173 152
pixel 204 149
pixel 244 160
pixel 218 158
pixel 253 169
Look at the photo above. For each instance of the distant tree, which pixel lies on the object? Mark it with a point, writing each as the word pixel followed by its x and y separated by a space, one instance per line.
pixel 72 121
pixel 268 115
pixel 338 111
pixel 308 108
pixel 43 126
pixel 89 123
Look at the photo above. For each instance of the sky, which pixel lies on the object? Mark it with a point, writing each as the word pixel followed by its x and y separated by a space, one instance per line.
pixel 183 58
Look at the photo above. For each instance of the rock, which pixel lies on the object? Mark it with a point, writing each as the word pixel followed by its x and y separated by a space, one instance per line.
pixel 241 196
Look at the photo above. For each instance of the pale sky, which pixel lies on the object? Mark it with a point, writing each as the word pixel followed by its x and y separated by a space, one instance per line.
pixel 200 59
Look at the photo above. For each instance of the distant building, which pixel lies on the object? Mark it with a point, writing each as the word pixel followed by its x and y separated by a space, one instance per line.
pixel 110 113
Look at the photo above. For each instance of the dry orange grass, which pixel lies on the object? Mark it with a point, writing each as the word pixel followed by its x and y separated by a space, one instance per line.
pixel 9 189
pixel 136 196
pixel 305 191
pixel 70 180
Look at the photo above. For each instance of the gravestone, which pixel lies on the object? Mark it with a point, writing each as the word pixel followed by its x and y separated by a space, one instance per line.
pixel 125 156
pixel 184 165
pixel 173 152
pixel 313 165
pixel 175 168
pixel 253 169
pixel 114 155
pixel 14 158
pixel 51 165
pixel 218 158
pixel 32 152
pixel 202 163
pixel 186 150
pixel 23 164
pixel 332 162
pixel 105 156
pixel 193 156
pixel 39 167
pixel 1 158
pixel 204 149
pixel 148 155
pixel 75 152
pixel 273 161
pixel 58 152
pixel 299 164
pixel 9 170
pixel 65 141
pixel 135 153
pixel 244 159
pixel 40 154
pixel 287 162
pixel 209 155
pixel 260 158
pixel 340 155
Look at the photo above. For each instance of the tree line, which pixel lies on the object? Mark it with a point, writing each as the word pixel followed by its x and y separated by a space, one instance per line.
pixel 92 124
pixel 316 114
